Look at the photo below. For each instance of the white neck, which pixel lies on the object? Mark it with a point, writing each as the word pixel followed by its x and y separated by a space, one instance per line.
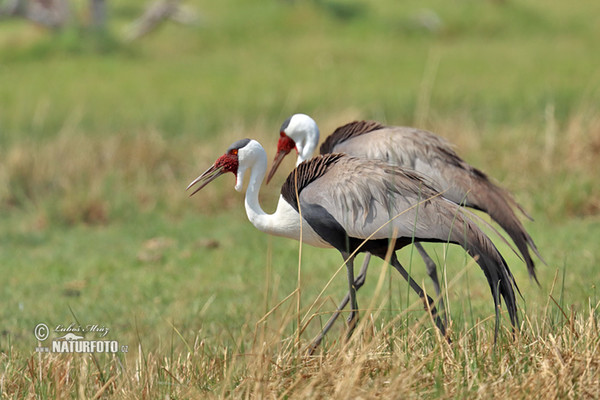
pixel 285 221
pixel 256 215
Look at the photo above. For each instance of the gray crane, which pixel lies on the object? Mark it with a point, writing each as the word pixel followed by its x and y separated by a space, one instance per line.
pixel 357 205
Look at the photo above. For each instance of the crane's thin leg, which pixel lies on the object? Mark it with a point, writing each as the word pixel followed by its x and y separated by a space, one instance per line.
pixel 432 272
pixel 426 299
pixel 358 282
pixel 353 317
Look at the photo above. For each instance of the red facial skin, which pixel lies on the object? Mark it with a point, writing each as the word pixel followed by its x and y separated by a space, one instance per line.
pixel 285 144
pixel 228 161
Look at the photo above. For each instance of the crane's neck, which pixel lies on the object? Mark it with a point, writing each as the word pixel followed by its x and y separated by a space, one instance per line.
pixel 274 224
pixel 256 215
pixel 285 221
pixel 307 142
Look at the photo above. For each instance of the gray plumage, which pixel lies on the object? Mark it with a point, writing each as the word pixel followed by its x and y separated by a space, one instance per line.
pixel 347 199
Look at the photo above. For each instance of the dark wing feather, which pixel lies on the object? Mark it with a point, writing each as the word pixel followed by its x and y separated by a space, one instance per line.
pixel 346 132
pixel 304 174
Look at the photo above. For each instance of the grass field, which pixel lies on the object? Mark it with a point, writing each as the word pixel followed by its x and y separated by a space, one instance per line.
pixel 99 138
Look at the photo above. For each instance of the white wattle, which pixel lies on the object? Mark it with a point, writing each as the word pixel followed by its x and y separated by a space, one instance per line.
pixel 239 179
pixel 300 157
pixel 285 221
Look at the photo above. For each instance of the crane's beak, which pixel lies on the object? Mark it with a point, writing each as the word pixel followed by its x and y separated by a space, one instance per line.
pixel 278 158
pixel 207 177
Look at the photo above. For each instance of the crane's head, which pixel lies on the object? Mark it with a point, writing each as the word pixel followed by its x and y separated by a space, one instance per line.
pixel 298 132
pixel 239 156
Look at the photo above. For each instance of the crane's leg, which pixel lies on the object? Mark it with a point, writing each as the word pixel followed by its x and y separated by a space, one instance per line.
pixel 353 317
pixel 432 272
pixel 426 299
pixel 358 282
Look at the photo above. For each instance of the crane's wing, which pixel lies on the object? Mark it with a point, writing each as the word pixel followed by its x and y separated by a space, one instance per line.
pixel 370 198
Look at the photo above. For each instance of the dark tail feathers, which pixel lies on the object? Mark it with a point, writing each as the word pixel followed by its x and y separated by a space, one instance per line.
pixel 499 277
pixel 499 205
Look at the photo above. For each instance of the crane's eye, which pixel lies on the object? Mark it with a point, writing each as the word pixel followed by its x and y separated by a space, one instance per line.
pixel 234 152
pixel 282 134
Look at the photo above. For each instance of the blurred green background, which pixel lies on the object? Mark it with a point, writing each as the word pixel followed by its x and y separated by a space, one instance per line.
pixel 99 136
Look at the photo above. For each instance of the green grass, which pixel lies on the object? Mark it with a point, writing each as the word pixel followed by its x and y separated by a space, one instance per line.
pixel 98 139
